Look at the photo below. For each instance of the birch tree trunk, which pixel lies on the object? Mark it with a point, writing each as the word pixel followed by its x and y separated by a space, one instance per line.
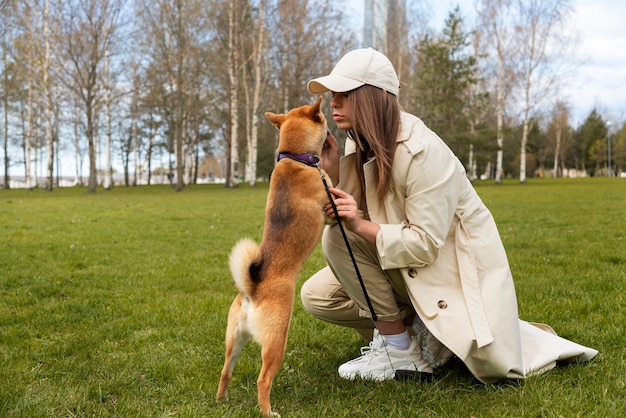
pixel 493 20
pixel 48 96
pixel 6 121
pixel 92 182
pixel 530 62
pixel 252 146
pixel 499 114
pixel 137 174
pixel 77 154
pixel 29 104
pixel 187 150
pixel 134 115
pixel 560 122
pixel 233 58
pixel 193 149
pixel 557 151
pixel 179 134
pixel 28 134
pixel 150 147
pixel 522 151
pixel 108 175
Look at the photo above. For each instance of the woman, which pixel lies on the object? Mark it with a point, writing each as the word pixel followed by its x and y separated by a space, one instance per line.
pixel 428 250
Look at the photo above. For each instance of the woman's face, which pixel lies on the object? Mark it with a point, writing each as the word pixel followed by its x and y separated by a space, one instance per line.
pixel 341 110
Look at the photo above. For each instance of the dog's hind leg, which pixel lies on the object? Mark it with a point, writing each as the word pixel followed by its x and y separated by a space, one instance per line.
pixel 236 337
pixel 272 353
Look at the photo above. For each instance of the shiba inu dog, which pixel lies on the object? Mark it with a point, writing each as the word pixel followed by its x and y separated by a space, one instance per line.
pixel 266 274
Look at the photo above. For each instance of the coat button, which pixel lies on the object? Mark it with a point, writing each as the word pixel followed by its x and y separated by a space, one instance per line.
pixel 442 304
pixel 412 273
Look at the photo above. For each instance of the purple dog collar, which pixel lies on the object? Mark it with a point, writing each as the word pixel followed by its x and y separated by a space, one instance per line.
pixel 308 159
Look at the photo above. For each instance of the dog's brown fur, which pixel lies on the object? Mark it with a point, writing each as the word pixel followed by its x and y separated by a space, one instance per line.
pixel 266 275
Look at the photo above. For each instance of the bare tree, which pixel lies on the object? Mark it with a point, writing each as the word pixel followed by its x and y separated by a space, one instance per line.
pixel 540 36
pixel 108 175
pixel 558 127
pixel 87 28
pixel 5 28
pixel 259 70
pixel 234 62
pixel 33 49
pixel 47 95
pixel 78 150
pixel 174 34
pixel 177 77
pixel 134 121
pixel 494 22
pixel 5 101
pixel 30 75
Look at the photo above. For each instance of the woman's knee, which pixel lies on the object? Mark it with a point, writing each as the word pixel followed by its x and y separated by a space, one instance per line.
pixel 333 243
pixel 309 297
pixel 316 293
pixel 323 297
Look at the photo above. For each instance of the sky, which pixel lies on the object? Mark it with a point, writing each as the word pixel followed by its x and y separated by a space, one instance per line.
pixel 600 81
pixel 602 77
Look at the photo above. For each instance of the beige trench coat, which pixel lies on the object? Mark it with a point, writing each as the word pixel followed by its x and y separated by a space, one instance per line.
pixel 435 228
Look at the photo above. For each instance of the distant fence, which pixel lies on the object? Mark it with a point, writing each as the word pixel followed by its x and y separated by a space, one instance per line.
pixel 19 182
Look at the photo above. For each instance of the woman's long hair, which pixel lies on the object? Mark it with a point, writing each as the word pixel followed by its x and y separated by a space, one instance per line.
pixel 375 117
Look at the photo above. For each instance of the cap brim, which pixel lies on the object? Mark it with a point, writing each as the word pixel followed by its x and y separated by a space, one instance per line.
pixel 332 82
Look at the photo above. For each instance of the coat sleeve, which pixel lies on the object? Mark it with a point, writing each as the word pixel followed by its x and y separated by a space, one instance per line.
pixel 426 190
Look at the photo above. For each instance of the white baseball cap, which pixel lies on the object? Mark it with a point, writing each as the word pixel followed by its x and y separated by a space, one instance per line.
pixel 356 68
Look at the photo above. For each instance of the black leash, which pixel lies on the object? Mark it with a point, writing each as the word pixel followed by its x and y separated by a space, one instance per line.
pixel 345 238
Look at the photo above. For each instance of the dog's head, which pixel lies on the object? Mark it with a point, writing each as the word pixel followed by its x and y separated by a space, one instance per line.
pixel 302 129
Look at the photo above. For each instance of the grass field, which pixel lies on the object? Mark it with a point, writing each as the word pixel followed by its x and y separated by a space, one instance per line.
pixel 114 304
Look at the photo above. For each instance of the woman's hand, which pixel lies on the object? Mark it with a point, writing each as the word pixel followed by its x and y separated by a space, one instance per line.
pixel 329 160
pixel 348 210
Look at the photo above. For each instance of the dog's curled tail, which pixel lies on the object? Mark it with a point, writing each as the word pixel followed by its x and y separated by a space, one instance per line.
pixel 245 261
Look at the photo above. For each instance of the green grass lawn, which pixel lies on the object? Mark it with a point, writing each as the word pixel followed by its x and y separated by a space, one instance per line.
pixel 114 304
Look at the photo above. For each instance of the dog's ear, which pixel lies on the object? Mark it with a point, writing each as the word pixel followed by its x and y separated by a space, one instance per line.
pixel 316 111
pixel 276 120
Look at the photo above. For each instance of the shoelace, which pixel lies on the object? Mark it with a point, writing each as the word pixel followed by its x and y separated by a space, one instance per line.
pixel 369 349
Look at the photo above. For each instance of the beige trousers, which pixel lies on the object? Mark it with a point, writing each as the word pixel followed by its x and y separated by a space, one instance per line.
pixel 334 294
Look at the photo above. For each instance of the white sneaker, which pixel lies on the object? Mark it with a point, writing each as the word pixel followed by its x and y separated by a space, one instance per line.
pixel 380 362
pixel 433 351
